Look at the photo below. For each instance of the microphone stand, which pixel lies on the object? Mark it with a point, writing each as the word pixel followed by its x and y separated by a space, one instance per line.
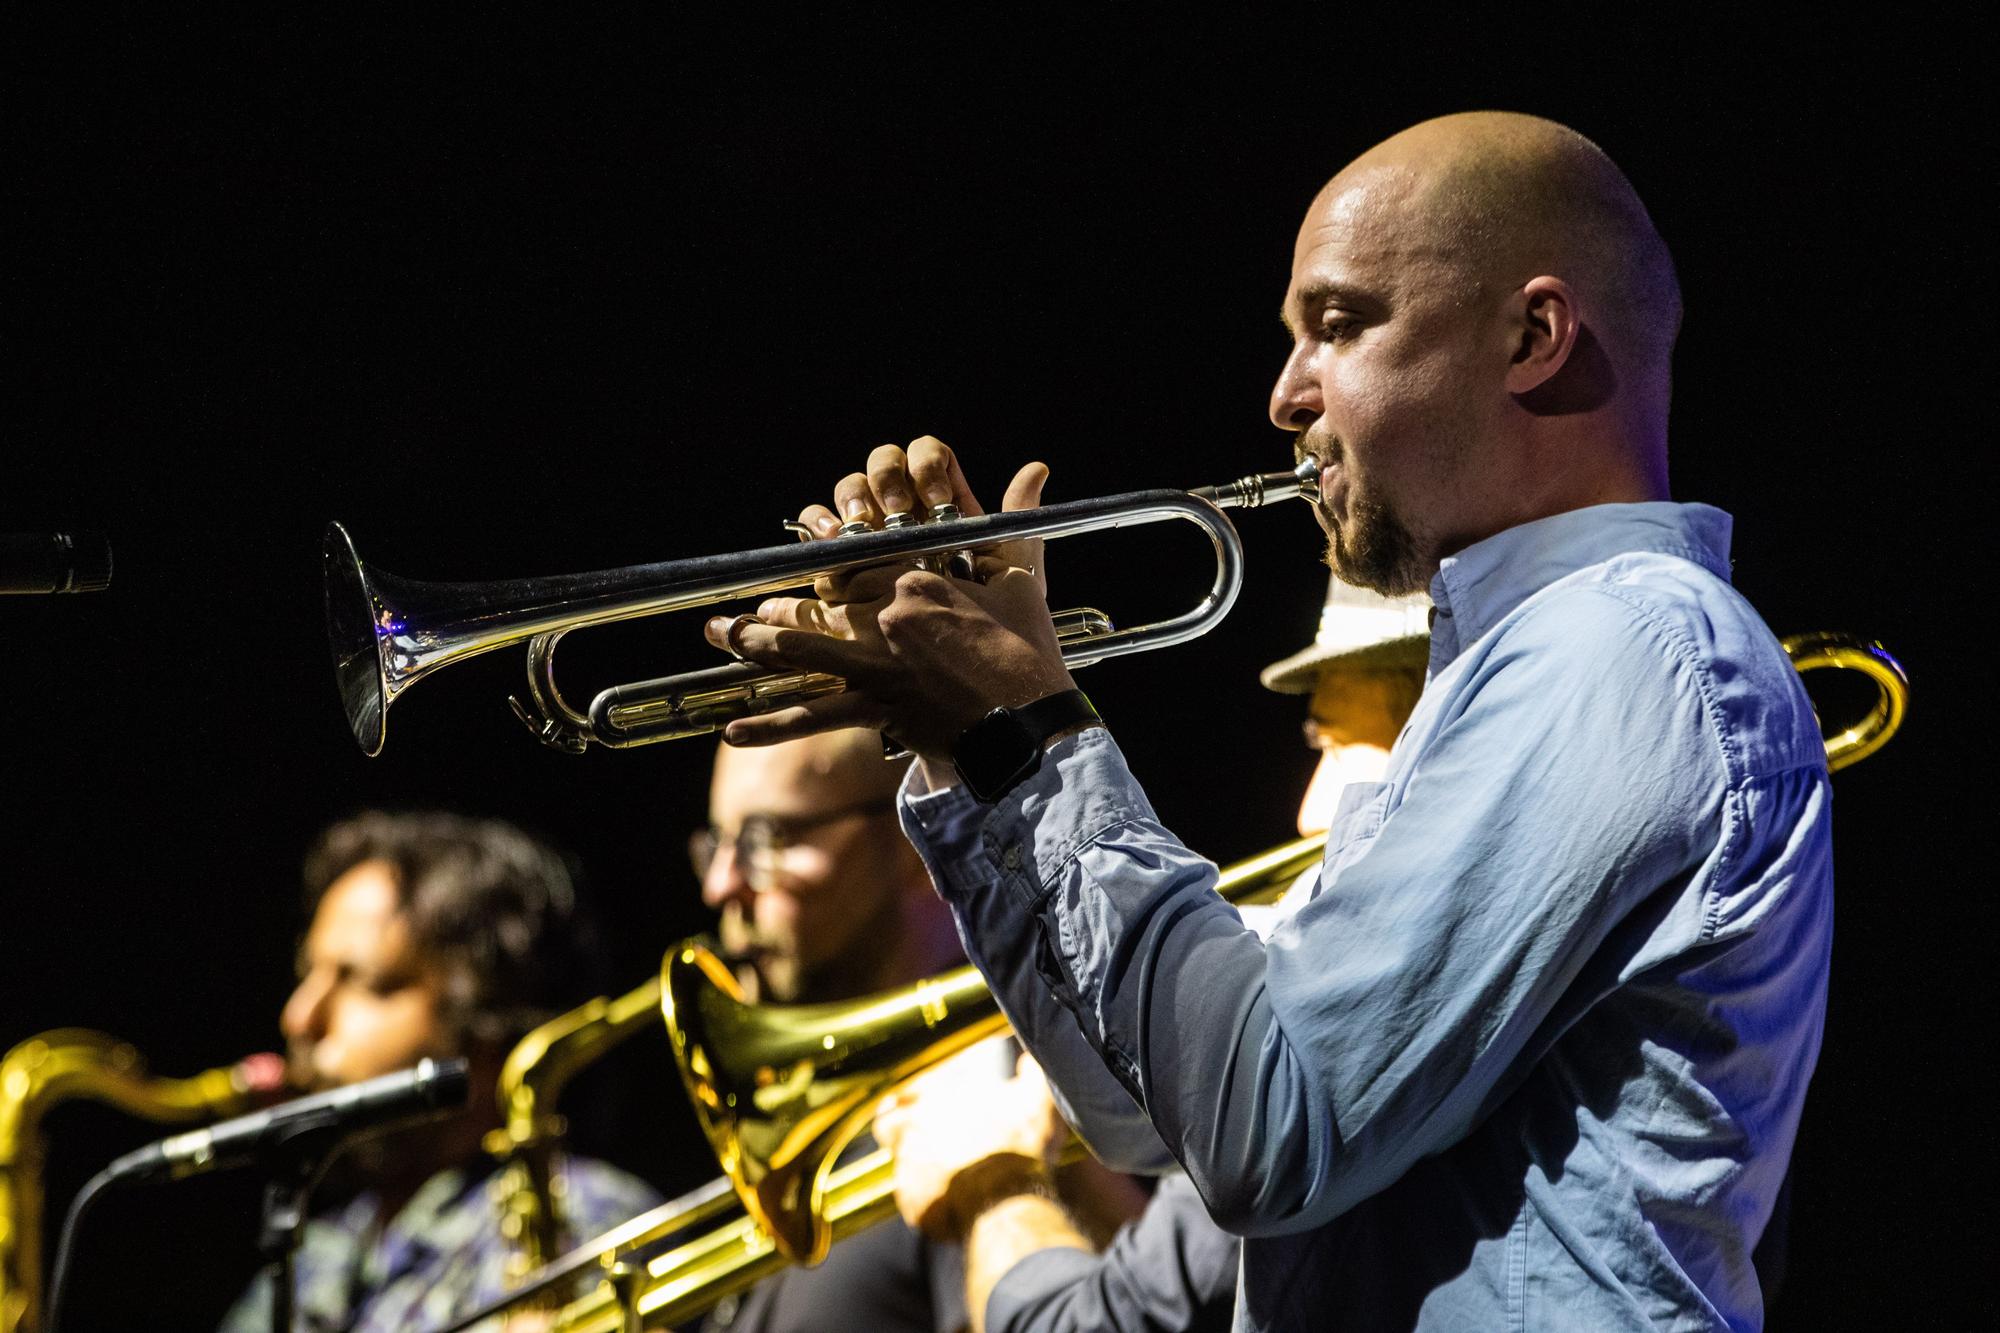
pixel 279 1227
pixel 291 1145
pixel 292 1165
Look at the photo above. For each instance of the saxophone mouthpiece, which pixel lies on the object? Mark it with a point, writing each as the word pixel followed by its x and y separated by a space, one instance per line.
pixel 261 1076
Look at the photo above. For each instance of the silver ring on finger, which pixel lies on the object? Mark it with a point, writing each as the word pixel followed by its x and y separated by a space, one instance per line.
pixel 735 626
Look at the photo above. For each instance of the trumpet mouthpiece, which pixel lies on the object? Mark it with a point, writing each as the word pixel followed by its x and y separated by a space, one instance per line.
pixel 1263 488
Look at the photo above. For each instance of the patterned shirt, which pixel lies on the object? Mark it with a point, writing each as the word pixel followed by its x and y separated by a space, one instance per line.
pixel 440 1258
pixel 1533 1055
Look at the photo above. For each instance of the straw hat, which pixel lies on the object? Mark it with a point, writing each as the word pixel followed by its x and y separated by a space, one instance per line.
pixel 1357 630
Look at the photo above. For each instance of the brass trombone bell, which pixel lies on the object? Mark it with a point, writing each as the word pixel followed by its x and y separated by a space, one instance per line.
pixel 388 632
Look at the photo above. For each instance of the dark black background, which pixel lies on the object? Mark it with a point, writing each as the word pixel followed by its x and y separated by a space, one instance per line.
pixel 522 300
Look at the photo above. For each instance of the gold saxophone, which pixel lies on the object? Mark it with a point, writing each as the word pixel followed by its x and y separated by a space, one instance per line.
pixel 536 1071
pixel 781 1089
pixel 72 1063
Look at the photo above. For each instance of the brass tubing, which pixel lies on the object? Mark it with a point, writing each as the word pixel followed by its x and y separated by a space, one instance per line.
pixel 535 1073
pixel 693 1274
pixel 70 1064
pixel 1852 743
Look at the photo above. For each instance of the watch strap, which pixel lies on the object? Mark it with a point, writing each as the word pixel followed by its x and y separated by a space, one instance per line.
pixel 1058 712
pixel 1004 749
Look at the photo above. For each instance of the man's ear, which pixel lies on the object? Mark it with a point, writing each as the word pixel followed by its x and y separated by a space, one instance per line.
pixel 1545 335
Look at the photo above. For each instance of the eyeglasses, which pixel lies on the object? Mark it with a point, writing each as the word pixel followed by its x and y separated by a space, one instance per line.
pixel 762 840
pixel 1322 736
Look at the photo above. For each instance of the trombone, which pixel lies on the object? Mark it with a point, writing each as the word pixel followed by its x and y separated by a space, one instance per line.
pixel 780 1091
pixel 388 632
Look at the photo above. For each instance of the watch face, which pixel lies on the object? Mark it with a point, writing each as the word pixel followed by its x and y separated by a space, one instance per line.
pixel 995 753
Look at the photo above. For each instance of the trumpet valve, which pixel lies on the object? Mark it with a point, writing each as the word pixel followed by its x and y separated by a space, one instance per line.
pixel 951 564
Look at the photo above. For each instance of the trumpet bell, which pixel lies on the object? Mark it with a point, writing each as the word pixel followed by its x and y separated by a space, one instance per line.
pixel 355 621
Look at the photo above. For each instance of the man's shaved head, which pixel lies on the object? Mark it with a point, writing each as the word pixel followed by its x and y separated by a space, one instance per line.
pixel 813 774
pixel 1482 320
pixel 1505 196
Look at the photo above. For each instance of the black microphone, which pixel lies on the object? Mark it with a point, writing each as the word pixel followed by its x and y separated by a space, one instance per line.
pixel 54 562
pixel 308 1124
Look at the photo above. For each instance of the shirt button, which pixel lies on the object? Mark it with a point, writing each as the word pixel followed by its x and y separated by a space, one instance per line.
pixel 1011 858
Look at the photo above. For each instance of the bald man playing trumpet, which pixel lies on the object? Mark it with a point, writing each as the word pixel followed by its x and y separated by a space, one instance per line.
pixel 1533 1054
pixel 974 1154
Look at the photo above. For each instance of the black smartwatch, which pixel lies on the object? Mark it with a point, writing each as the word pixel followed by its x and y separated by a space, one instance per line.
pixel 1004 749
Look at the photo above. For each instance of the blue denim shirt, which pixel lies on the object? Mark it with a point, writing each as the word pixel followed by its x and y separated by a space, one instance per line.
pixel 1532 1054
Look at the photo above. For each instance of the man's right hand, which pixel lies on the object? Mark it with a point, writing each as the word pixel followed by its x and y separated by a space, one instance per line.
pixel 924 655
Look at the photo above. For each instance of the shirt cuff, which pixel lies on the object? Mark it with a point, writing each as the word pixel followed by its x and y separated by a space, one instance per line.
pixel 1082 790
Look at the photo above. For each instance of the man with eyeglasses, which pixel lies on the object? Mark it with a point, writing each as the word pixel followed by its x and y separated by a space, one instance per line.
pixel 821 899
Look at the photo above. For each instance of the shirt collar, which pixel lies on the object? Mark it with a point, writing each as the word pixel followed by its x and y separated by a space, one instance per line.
pixel 1475 589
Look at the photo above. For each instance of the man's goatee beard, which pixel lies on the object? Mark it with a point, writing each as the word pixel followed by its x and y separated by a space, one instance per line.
pixel 1374 550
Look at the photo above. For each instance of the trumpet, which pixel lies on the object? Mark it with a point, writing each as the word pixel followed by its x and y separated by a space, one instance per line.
pixel 389 632
pixel 72 1063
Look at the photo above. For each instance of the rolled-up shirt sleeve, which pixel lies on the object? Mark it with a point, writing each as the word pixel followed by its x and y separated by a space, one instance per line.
pixel 1294 1078
pixel 1172 1268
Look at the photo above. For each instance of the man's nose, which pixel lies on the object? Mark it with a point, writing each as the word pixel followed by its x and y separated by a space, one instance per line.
pixel 725 881
pixel 1295 399
pixel 304 1015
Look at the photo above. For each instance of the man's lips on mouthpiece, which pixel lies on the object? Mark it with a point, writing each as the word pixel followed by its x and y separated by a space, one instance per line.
pixel 1332 486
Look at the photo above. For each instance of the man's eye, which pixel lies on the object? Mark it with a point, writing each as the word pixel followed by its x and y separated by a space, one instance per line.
pixel 1335 325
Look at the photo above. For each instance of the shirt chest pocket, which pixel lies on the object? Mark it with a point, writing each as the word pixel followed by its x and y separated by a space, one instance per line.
pixel 1356 820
